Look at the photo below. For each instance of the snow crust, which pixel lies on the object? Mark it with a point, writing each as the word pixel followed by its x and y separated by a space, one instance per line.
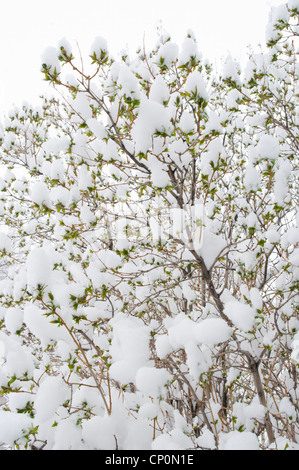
pixel 152 117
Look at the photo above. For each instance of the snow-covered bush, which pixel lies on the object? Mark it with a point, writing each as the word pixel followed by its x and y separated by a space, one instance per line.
pixel 150 238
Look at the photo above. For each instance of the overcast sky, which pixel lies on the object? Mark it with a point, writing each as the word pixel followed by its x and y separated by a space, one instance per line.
pixel 28 27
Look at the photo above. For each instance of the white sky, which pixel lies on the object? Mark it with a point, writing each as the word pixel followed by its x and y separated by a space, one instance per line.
pixel 29 26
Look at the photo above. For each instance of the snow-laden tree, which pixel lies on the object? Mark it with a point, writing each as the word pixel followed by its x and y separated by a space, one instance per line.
pixel 149 233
